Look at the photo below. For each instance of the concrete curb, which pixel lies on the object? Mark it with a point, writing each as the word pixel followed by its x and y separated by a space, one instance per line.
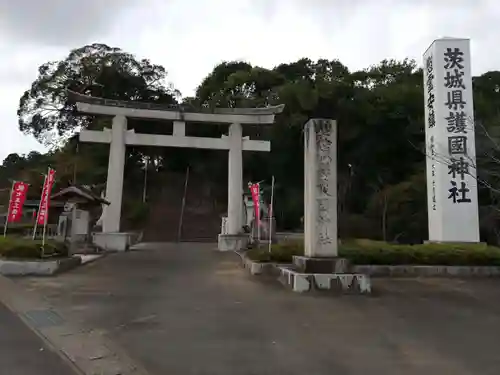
pixel 304 282
pixel 360 274
pixel 259 268
pixel 88 352
pixel 90 258
pixel 10 267
pixel 267 268
pixel 47 267
pixel 427 271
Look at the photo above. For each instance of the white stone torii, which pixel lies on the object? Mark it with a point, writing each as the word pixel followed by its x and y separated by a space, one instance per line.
pixel 118 137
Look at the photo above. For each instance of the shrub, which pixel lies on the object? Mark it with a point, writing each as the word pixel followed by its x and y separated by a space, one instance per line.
pixel 136 213
pixel 381 253
pixel 283 253
pixel 259 255
pixel 22 248
pixel 280 253
pixel 19 229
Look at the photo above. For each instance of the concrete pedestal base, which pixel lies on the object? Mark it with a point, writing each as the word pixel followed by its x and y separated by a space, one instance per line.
pixel 320 265
pixel 232 242
pixel 112 241
pixel 335 282
pixel 333 274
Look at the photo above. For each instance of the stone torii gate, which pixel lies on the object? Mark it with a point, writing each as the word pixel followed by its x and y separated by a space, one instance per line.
pixel 118 137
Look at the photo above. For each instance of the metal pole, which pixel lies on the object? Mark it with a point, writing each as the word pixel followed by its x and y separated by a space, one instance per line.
pixel 258 217
pixel 46 217
pixel 145 181
pixel 35 227
pixel 181 218
pixel 75 165
pixel 8 210
pixel 271 214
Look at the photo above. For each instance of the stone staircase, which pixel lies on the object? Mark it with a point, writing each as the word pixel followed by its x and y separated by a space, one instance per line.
pixel 201 219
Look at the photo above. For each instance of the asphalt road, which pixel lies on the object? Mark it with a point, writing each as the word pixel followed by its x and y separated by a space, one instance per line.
pixel 23 353
pixel 186 309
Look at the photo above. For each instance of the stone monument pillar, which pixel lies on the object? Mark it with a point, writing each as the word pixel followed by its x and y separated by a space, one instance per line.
pixel 320 268
pixel 450 143
pixel 320 190
pixel 320 200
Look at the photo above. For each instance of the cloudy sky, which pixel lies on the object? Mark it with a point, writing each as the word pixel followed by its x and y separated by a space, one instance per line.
pixel 189 37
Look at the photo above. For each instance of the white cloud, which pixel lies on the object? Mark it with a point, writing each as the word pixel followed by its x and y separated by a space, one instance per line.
pixel 189 37
pixel 12 140
pixel 59 22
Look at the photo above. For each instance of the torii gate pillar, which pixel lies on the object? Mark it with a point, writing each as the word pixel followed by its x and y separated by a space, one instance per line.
pixel 114 183
pixel 235 180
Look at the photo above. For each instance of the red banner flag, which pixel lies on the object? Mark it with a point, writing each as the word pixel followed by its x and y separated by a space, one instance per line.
pixel 255 190
pixel 17 198
pixel 43 208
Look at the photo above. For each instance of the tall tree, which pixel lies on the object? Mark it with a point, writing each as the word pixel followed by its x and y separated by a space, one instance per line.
pixel 97 70
pixel 379 112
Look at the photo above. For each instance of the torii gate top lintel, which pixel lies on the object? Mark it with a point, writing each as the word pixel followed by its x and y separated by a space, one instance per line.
pixel 112 107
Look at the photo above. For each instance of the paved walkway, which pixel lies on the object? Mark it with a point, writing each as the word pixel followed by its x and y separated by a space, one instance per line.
pixel 187 310
pixel 23 353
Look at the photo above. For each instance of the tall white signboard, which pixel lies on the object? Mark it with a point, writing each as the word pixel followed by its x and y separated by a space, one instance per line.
pixel 450 142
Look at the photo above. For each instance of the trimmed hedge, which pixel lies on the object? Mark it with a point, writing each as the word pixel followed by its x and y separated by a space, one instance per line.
pixel 22 248
pixel 19 229
pixel 26 229
pixel 382 253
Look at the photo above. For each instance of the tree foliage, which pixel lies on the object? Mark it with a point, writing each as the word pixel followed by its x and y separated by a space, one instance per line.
pixel 97 70
pixel 379 111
